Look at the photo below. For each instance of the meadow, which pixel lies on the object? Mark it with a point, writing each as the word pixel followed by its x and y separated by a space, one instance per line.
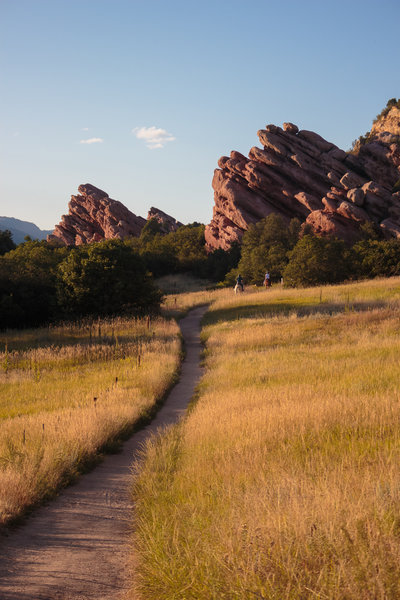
pixel 68 393
pixel 283 482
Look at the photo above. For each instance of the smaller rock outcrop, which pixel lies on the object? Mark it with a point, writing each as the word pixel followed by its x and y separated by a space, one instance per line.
pixel 167 223
pixel 94 216
pixel 389 120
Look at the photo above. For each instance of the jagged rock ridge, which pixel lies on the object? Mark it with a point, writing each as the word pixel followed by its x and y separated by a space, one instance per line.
pixel 166 222
pixel 300 174
pixel 94 216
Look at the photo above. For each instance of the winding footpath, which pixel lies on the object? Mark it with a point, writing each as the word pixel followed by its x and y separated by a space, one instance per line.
pixel 78 546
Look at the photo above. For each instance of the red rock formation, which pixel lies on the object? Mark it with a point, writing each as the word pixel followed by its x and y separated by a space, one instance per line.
pixel 299 174
pixel 93 216
pixel 167 222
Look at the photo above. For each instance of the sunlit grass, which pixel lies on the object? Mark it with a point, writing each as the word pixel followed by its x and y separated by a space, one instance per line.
pixel 177 305
pixel 257 301
pixel 284 480
pixel 68 393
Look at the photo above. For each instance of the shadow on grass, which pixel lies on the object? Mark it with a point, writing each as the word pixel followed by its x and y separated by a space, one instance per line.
pixel 259 311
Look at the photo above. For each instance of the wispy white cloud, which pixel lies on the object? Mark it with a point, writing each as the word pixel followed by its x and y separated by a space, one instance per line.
pixel 92 141
pixel 85 128
pixel 154 137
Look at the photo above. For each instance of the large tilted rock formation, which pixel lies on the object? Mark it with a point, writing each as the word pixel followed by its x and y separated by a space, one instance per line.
pixel 94 216
pixel 300 174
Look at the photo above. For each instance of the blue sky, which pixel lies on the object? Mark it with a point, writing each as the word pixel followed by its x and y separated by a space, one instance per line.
pixel 141 98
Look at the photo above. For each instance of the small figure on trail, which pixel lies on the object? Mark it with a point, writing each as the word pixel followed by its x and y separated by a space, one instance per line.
pixel 239 282
pixel 267 279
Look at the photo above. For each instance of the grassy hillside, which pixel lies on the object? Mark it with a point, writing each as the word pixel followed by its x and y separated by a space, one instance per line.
pixel 69 393
pixel 284 480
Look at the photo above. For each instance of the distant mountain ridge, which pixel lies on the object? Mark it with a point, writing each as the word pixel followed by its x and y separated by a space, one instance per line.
pixel 19 229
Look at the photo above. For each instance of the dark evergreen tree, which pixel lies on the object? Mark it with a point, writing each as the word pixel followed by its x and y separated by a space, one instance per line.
pixel 6 242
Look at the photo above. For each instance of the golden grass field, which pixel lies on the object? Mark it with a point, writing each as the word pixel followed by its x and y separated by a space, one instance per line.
pixel 283 482
pixel 51 426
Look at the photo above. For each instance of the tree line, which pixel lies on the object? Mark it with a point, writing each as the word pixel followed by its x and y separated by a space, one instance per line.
pixel 42 282
pixel 293 252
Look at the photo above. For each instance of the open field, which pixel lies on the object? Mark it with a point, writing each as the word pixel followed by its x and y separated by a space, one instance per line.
pixel 68 393
pixel 284 480
pixel 256 301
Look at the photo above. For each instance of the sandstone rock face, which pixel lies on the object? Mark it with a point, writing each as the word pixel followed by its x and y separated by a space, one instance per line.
pixel 300 174
pixel 93 217
pixel 389 123
pixel 167 222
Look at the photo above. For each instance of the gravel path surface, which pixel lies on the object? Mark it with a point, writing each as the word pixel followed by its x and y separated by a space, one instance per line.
pixel 77 547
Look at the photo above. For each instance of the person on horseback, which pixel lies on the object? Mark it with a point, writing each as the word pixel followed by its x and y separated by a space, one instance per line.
pixel 267 279
pixel 239 281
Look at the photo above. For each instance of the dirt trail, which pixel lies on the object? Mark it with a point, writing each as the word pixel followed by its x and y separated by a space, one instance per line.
pixel 77 547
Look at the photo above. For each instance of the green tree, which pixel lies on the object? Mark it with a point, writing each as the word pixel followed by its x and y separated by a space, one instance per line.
pixel 220 262
pixel 150 230
pixel 265 246
pixel 6 242
pixel 181 250
pixel 188 245
pixel 157 254
pixel 106 278
pixel 28 284
pixel 377 258
pixel 316 260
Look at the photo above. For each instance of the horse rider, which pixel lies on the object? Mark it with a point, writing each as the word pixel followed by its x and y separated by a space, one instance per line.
pixel 239 281
pixel 267 279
